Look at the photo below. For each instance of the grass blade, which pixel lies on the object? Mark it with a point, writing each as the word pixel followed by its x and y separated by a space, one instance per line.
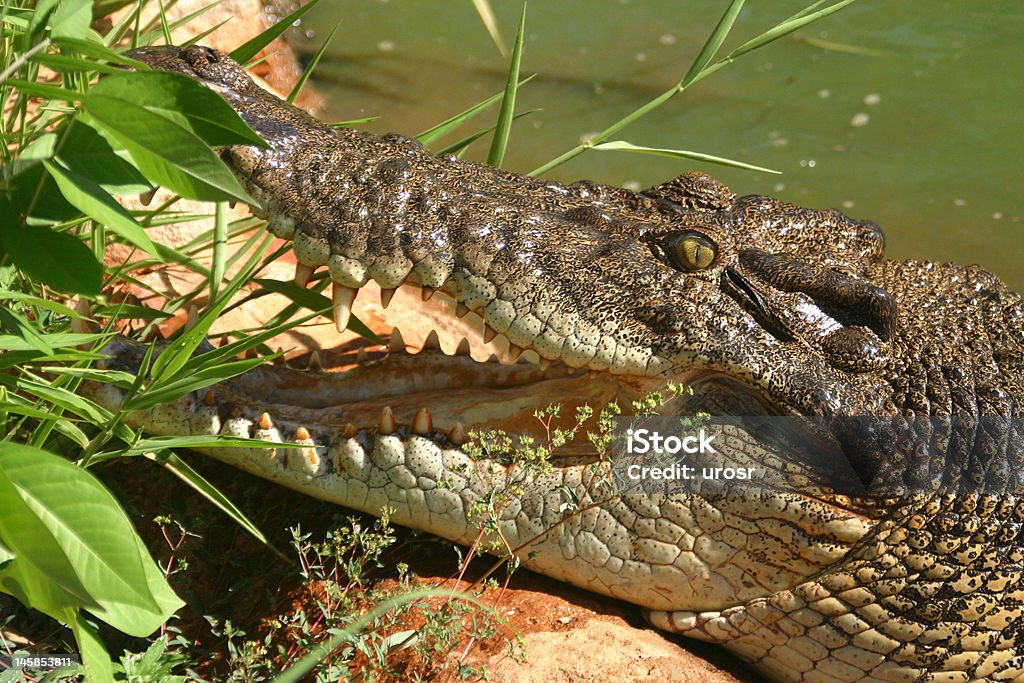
pixel 247 50
pixel 203 487
pixel 786 27
pixel 431 135
pixel 623 146
pixel 486 12
pixel 714 41
pixel 508 103
pixel 308 71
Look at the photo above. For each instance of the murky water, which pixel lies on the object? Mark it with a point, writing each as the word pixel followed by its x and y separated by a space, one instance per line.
pixel 908 113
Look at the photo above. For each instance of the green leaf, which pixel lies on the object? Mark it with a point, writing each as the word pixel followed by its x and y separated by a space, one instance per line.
pixel 94 655
pixel 313 301
pixel 54 341
pixel 308 71
pixel 65 64
pixel 47 92
pixel 59 520
pixel 21 327
pixel 246 51
pixel 623 146
pixel 40 16
pixel 795 22
pixel 158 443
pixel 168 154
pixel 184 471
pixel 55 258
pixel 437 132
pixel 89 154
pixel 174 387
pixel 508 102
pixel 71 19
pixel 714 41
pixel 54 306
pixel 94 202
pixel 183 100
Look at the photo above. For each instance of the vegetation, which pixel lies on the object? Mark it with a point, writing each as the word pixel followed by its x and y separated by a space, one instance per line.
pixel 67 548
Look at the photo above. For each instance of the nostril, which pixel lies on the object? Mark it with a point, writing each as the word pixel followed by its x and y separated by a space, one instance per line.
pixel 845 297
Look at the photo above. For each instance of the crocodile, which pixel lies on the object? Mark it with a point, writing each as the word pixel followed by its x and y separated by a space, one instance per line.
pixel 760 306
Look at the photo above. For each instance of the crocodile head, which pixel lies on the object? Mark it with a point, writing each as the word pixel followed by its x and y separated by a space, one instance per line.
pixel 760 306
pixel 683 282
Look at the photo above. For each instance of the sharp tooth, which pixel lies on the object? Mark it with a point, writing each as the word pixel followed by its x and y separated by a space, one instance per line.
pixel 361 355
pixel 431 342
pixel 265 422
pixel 489 333
pixel 232 204
pixel 279 358
pixel 314 364
pixel 303 274
pixel 349 431
pixel 301 434
pixel 457 435
pixel 514 352
pixel 422 423
pixel 461 310
pixel 342 298
pixel 426 293
pixel 396 343
pixel 544 363
pixel 210 398
pixel 385 296
pixel 386 425
pixel 146 197
pixel 463 348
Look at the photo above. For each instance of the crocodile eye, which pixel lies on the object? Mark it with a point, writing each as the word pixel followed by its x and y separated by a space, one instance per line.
pixel 691 250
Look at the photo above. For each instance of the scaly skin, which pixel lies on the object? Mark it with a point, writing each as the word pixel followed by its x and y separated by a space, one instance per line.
pixel 763 306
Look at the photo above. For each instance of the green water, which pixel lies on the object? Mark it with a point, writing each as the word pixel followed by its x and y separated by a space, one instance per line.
pixel 907 112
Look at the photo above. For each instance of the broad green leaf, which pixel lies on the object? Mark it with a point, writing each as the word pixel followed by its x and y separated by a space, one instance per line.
pixel 94 202
pixel 33 198
pixel 65 64
pixel 185 101
pixel 166 153
pixel 39 18
pixel 88 153
pixel 94 49
pixel 71 19
pixel 95 659
pixel 56 258
pixel 46 92
pixel 508 102
pixel 58 519
pixel 623 146
pixel 246 51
